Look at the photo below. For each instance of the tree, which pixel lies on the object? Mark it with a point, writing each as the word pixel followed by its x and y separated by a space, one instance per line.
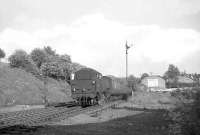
pixel 184 73
pixel 144 75
pixel 56 70
pixel 77 66
pixel 50 69
pixel 172 72
pixel 65 58
pixel 18 59
pixel 171 75
pixel 57 66
pixel 38 56
pixel 49 50
pixel 2 53
pixel 132 82
pixel 59 58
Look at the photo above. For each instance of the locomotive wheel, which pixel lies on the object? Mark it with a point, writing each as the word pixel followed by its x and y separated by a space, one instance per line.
pixel 84 102
pixel 96 99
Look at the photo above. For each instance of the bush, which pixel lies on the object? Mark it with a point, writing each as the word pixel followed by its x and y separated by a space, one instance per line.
pixel 56 70
pixel 50 69
pixel 65 58
pixel 20 59
pixel 77 66
pixel 49 51
pixel 38 56
pixel 2 53
pixel 186 118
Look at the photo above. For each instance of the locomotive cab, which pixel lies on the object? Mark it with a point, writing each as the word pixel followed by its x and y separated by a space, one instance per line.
pixel 86 86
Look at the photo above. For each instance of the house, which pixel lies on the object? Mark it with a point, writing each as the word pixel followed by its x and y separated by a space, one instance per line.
pixel 180 81
pixel 154 83
pixel 184 81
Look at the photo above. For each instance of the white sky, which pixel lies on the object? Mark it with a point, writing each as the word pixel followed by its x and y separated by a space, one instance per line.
pixel 94 32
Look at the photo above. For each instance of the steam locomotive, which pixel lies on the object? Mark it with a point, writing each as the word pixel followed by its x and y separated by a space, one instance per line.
pixel 89 87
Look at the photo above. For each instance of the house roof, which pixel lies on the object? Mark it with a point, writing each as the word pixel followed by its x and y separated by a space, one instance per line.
pixel 185 79
pixel 182 79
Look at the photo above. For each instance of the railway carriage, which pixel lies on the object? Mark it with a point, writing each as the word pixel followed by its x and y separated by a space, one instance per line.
pixel 115 87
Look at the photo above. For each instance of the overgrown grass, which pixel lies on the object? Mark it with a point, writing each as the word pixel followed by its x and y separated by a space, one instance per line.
pixel 20 87
pixel 147 123
pixel 186 117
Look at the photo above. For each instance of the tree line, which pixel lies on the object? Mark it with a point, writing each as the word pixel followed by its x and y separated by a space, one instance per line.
pixel 43 62
pixel 46 62
pixel 173 73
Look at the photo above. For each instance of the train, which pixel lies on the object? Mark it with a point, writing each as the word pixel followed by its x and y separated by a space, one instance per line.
pixel 90 87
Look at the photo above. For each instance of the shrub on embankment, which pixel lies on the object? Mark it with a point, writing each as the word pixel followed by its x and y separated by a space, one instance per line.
pixel 20 87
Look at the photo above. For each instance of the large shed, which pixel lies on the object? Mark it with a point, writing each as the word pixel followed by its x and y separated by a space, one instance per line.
pixel 154 82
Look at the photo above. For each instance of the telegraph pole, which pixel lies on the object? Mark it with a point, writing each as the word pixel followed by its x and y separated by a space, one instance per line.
pixel 127 47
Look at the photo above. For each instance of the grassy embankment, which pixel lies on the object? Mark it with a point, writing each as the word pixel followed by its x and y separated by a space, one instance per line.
pixel 20 87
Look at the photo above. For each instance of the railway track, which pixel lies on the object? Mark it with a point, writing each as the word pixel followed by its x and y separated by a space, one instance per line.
pixel 20 121
pixel 33 117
